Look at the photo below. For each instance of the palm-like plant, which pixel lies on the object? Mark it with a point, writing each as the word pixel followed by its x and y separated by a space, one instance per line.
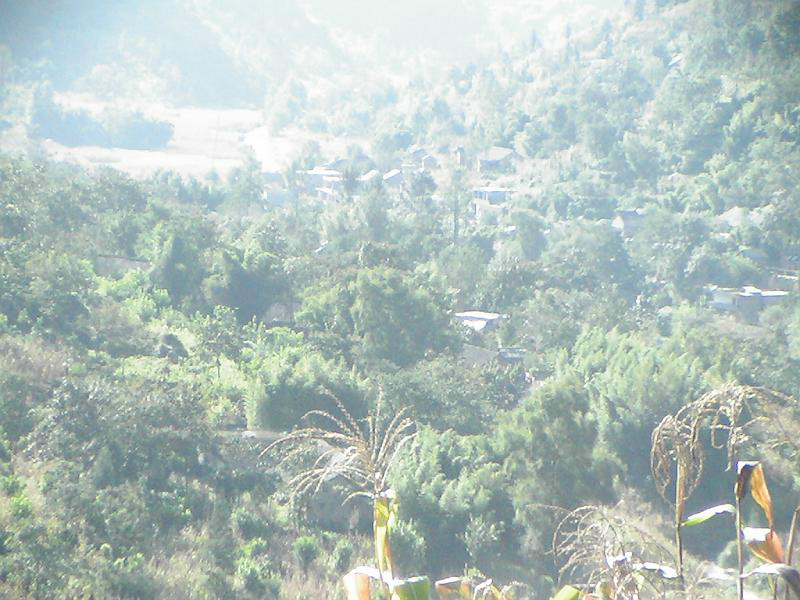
pixel 360 452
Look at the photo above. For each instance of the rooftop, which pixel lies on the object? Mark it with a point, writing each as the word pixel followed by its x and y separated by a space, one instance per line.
pixel 496 153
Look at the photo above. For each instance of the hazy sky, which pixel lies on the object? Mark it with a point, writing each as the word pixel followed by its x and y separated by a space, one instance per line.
pixel 457 28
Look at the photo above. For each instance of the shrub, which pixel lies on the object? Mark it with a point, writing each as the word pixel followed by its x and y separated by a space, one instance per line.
pixel 295 381
pixel 15 401
pixel 250 575
pixel 408 548
pixel 21 506
pixel 10 484
pixel 250 525
pixel 306 549
pixel 342 555
pixel 214 586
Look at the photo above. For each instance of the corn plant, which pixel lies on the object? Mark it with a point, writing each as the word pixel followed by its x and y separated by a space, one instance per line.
pixel 600 549
pixel 763 542
pixel 474 588
pixel 360 452
pixel 676 441
pixel 606 554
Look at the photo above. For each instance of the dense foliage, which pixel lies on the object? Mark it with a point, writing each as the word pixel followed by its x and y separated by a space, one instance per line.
pixel 155 334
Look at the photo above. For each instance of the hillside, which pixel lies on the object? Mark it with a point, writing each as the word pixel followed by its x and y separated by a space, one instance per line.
pixel 571 262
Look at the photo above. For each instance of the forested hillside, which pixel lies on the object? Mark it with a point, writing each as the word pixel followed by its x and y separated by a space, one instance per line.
pixel 536 258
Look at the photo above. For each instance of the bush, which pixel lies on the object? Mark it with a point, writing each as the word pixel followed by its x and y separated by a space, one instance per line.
pixel 306 549
pixel 250 525
pixel 214 586
pixel 10 484
pixel 16 397
pixel 295 381
pixel 254 577
pixel 21 506
pixel 342 555
pixel 408 548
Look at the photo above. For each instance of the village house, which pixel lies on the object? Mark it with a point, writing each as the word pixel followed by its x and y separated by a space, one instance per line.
pixel 491 193
pixel 339 164
pixel 489 201
pixel 428 163
pixel 497 158
pixel 420 160
pixel 480 321
pixel 747 301
pixel 393 178
pixel 370 178
pixel 320 177
pixel 628 222
pixel 409 168
pixel 416 154
pixel 510 355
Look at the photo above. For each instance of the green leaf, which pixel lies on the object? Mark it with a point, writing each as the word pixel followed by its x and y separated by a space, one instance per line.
pixel 567 593
pixel 413 588
pixel 385 519
pixel 706 514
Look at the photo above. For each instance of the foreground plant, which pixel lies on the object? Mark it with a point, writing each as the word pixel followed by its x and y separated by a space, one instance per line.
pixel 733 415
pixel 361 452
pixel 762 541
pixel 676 442
pixel 605 555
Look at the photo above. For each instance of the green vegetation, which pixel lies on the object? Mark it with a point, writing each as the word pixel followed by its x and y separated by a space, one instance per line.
pixel 635 357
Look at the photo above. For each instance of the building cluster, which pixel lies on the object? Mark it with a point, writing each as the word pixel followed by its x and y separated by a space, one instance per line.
pixel 332 180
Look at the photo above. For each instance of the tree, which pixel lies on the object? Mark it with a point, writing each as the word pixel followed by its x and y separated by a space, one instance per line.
pixel 395 320
pixel 178 269
pixel 291 381
pixel 530 233
pixel 544 443
pixel 445 484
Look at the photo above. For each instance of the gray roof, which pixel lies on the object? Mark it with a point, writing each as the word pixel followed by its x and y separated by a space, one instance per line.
pixel 496 153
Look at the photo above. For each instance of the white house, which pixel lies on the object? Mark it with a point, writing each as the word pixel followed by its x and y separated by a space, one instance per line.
pixel 479 321
pixel 491 193
pixel 393 178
